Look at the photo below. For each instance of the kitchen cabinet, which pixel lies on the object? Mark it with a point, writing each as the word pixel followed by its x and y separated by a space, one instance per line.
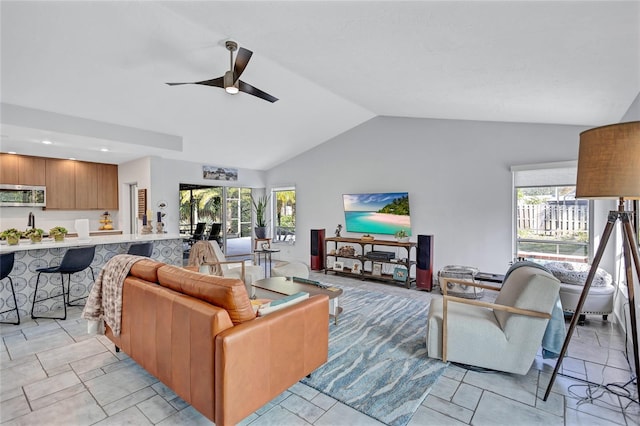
pixel 86 185
pixel 9 169
pixel 90 186
pixel 32 171
pixel 61 184
pixel 71 185
pixel 107 186
pixel 22 170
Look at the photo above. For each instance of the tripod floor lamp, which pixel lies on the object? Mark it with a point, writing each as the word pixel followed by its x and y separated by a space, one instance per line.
pixel 609 167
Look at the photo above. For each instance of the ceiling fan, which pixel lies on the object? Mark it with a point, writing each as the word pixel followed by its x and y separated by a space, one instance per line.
pixel 231 80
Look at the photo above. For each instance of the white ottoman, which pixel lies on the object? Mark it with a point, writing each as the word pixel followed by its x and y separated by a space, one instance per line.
pixel 599 300
pixel 290 269
pixel 466 273
pixel 572 276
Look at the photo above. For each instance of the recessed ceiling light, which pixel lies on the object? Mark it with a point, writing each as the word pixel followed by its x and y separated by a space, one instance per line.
pixel 104 149
pixel 72 159
pixel 47 142
pixel 11 152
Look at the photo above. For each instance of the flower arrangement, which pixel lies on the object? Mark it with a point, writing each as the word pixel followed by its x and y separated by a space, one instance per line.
pixel 34 234
pixel 58 233
pixel 12 236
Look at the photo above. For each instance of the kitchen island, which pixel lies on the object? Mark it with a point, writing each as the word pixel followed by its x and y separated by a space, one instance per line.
pixel 167 248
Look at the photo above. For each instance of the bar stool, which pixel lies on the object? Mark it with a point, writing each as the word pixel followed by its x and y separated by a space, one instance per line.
pixel 6 265
pixel 141 249
pixel 74 260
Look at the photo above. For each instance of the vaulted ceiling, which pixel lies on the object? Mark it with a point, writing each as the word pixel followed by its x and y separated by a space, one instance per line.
pixel 333 65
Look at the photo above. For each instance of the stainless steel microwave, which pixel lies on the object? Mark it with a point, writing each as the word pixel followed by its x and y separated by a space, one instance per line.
pixel 22 196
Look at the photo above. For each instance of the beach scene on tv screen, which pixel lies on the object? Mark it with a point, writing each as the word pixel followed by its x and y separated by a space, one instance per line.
pixel 379 213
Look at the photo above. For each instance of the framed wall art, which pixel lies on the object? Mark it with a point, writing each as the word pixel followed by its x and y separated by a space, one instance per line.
pixel 400 274
pixel 219 173
pixel 376 269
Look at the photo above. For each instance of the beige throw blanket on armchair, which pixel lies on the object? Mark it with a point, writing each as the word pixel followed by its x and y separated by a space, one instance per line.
pixel 104 303
pixel 202 252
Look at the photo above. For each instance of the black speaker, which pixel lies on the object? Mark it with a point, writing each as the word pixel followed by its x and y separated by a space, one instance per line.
pixel 317 249
pixel 424 262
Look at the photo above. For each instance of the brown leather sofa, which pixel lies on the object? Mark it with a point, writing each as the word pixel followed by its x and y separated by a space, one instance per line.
pixel 198 334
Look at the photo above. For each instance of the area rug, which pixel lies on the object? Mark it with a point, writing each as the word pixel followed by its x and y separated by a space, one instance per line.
pixel 377 357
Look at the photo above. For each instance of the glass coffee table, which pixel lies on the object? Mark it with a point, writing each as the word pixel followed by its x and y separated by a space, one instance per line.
pixel 281 286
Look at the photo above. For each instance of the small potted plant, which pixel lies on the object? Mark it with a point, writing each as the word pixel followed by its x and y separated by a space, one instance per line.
pixel 260 208
pixel 12 236
pixel 58 233
pixel 34 234
pixel 402 236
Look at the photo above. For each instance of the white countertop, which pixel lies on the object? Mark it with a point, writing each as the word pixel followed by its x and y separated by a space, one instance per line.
pixel 48 243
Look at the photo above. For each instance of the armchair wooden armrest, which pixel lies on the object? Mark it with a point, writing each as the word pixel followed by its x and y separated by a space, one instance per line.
pixel 497 307
pixel 239 255
pixel 468 283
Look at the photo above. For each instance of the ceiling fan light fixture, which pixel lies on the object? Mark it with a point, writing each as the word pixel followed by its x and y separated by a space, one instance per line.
pixel 229 85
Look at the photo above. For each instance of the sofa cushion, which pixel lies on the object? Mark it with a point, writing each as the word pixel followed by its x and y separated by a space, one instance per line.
pixel 227 293
pixel 146 269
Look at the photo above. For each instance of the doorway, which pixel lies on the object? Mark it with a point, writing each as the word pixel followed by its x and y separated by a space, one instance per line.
pixel 224 211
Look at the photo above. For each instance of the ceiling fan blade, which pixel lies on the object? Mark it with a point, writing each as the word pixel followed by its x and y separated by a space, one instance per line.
pixel 215 82
pixel 242 59
pixel 247 88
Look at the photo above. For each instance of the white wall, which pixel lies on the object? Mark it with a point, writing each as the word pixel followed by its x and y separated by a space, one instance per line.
pixel 633 113
pixel 162 178
pixel 129 173
pixel 456 172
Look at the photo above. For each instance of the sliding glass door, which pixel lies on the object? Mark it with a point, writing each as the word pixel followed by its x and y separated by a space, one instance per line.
pixel 238 220
pixel 223 212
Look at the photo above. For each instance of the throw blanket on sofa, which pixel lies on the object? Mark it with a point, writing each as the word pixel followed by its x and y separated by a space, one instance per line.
pixel 105 299
pixel 202 252
pixel 555 333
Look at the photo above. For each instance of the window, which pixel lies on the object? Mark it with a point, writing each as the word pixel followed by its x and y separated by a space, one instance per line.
pixel 284 214
pixel 549 222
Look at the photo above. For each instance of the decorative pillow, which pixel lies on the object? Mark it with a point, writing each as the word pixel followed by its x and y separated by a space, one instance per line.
pixel 576 273
pixel 276 305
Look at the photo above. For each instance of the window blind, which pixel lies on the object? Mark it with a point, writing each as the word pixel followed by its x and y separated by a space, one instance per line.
pixel 545 174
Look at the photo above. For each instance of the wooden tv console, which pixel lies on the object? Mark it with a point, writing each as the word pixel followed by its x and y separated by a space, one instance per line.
pixel 366 264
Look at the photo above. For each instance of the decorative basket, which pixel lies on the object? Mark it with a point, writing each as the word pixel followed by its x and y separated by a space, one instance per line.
pixel 466 273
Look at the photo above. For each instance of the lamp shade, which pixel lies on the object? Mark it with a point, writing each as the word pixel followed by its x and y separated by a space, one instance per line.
pixel 609 162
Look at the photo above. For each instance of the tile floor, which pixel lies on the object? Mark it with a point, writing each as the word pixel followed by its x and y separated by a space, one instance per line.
pixel 53 373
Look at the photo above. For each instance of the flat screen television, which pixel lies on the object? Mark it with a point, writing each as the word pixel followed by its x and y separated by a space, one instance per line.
pixel 377 213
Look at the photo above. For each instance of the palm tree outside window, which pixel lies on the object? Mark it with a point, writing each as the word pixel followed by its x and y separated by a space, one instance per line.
pixel 284 215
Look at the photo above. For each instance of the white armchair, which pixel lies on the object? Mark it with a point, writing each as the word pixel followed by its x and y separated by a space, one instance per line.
pixel 504 335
